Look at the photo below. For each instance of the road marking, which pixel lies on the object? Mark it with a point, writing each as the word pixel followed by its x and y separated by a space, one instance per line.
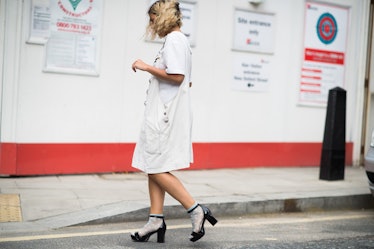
pixel 236 224
pixel 63 235
pixel 249 222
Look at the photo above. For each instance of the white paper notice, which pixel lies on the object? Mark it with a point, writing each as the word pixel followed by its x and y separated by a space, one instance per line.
pixel 73 46
pixel 253 32
pixel 40 22
pixel 251 73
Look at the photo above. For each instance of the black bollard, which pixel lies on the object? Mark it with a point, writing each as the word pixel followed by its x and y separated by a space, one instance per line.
pixel 333 148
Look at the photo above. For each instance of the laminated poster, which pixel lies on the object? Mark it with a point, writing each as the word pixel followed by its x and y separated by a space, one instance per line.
pixel 75 29
pixel 323 65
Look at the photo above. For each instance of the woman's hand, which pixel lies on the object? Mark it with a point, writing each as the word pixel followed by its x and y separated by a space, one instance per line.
pixel 139 64
pixel 175 79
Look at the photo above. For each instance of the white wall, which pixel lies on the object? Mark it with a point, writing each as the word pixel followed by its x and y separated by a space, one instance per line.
pixel 42 107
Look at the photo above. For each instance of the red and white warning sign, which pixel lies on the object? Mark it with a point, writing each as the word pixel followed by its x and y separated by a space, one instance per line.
pixel 323 64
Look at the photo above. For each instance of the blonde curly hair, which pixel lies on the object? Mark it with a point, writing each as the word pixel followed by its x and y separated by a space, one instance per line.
pixel 167 17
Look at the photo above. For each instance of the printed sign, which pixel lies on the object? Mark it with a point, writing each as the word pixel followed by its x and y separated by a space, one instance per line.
pixel 40 21
pixel 253 31
pixel 251 73
pixel 324 52
pixel 189 21
pixel 74 37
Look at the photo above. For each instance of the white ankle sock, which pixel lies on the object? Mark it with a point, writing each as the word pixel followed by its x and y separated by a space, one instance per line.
pixel 153 224
pixel 197 217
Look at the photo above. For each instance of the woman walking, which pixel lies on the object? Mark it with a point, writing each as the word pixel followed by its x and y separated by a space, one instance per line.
pixel 165 140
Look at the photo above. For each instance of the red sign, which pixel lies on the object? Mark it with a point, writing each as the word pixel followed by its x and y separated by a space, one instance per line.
pixel 324 56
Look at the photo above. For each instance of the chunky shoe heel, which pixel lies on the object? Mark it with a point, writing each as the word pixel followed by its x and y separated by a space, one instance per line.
pixel 208 215
pixel 211 220
pixel 160 235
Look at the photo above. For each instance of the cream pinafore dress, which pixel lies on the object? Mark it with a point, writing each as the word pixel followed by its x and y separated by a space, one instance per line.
pixel 165 138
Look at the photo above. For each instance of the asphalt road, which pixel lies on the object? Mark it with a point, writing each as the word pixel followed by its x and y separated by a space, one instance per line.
pixel 317 230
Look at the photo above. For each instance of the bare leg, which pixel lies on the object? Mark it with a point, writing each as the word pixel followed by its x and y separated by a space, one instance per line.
pixel 157 197
pixel 156 218
pixel 173 186
pixel 158 185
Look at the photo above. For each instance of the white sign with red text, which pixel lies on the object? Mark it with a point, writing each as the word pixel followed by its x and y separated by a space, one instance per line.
pixel 74 37
pixel 251 73
pixel 324 52
pixel 253 32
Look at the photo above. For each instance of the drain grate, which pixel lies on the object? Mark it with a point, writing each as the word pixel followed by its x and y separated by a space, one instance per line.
pixel 10 208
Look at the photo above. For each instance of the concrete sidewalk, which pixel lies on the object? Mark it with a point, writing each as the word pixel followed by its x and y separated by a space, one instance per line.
pixel 49 202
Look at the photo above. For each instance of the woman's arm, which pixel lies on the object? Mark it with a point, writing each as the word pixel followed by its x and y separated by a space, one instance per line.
pixel 158 73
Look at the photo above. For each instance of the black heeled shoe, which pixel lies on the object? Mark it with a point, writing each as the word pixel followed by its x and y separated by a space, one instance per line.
pixel 207 216
pixel 160 235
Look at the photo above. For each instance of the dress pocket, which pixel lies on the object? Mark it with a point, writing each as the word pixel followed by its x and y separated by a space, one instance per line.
pixel 158 121
pixel 156 137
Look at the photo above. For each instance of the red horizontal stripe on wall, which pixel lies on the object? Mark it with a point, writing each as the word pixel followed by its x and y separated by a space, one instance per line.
pixel 227 155
pixel 8 158
pixel 73 158
pixel 44 159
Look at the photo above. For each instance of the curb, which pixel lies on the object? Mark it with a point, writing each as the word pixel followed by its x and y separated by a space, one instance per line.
pixel 350 202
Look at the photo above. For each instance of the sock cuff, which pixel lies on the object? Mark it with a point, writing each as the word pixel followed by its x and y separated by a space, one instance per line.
pixel 193 207
pixel 157 215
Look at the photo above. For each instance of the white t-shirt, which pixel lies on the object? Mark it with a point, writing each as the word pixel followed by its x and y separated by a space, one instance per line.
pixel 175 58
